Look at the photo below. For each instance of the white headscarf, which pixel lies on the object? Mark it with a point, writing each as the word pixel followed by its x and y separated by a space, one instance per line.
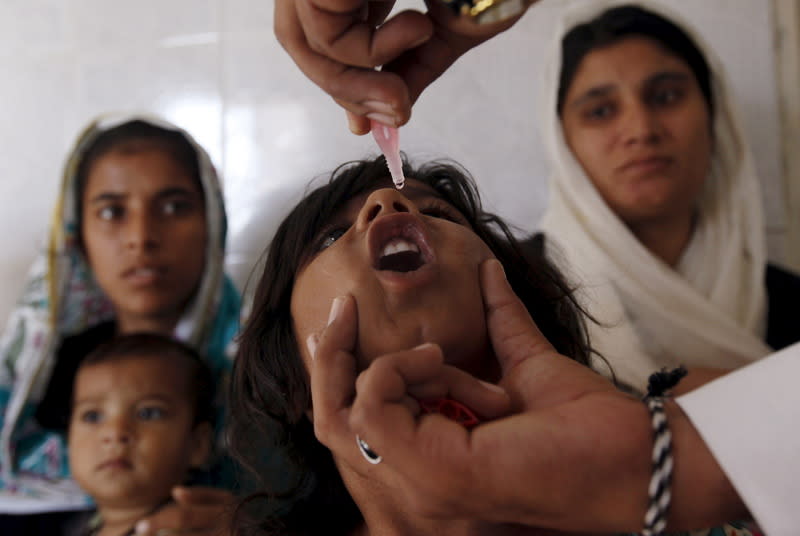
pixel 709 311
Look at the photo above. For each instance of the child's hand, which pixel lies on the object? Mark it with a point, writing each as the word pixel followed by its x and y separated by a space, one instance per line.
pixel 197 510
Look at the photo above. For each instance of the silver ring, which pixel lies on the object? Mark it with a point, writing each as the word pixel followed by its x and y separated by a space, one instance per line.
pixel 370 455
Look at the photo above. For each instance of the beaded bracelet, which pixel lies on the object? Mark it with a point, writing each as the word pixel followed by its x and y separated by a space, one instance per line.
pixel 659 491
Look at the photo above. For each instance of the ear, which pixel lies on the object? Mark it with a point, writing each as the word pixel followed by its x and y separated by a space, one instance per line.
pixel 200 448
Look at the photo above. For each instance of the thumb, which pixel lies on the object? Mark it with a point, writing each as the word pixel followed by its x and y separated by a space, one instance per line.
pixel 514 335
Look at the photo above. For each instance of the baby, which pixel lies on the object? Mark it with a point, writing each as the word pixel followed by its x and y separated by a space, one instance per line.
pixel 141 419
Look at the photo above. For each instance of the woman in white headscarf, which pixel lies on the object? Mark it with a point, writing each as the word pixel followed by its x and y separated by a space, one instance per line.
pixel 136 244
pixel 655 203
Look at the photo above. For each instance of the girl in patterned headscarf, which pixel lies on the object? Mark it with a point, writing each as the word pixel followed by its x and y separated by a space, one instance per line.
pixel 136 244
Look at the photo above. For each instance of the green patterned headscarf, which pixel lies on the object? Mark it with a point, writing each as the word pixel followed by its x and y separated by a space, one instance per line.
pixel 61 298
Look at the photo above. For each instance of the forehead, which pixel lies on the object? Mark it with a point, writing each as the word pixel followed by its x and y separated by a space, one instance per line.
pixel 631 60
pixel 133 375
pixel 147 167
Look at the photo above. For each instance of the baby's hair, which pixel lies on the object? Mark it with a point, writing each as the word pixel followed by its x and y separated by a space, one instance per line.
pixel 201 384
pixel 131 137
pixel 270 393
pixel 618 23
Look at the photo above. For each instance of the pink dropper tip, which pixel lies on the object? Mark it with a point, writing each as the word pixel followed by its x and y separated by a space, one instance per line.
pixel 388 139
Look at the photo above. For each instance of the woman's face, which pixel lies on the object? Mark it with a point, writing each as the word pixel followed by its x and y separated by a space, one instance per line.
pixel 636 120
pixel 410 261
pixel 144 232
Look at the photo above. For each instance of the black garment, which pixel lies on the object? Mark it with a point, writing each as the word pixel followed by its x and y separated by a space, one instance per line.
pixel 783 296
pixel 53 410
pixel 48 523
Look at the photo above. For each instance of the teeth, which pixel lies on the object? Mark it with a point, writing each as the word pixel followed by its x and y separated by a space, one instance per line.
pixel 398 245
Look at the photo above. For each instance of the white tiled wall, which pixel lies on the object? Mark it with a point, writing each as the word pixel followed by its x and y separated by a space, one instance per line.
pixel 214 67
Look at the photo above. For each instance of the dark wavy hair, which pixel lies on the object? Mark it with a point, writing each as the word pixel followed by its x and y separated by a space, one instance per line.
pixel 201 382
pixel 270 390
pixel 618 23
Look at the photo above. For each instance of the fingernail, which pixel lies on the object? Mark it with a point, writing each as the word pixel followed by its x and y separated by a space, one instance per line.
pixel 311 344
pixel 379 107
pixel 142 526
pixel 352 124
pixel 336 308
pixel 384 119
pixel 423 346
pixel 492 387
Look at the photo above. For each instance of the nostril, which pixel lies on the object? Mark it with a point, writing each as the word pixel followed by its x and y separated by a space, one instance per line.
pixel 400 207
pixel 373 212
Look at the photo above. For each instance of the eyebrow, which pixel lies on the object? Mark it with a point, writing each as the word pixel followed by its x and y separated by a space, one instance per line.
pixel 606 89
pixel 666 76
pixel 173 191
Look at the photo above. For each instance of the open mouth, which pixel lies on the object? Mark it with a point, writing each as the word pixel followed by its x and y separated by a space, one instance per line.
pixel 400 255
pixel 399 245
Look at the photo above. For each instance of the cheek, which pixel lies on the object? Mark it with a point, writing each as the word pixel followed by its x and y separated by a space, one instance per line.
pixel 101 255
pixel 590 148
pixel 313 293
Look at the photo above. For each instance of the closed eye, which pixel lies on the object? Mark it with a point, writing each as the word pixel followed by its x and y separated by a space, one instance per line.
pixel 443 211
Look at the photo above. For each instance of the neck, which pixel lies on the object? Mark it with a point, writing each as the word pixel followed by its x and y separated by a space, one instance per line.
pixel 666 239
pixel 164 325
pixel 117 520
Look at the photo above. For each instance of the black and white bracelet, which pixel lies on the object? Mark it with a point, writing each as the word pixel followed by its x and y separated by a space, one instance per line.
pixel 659 491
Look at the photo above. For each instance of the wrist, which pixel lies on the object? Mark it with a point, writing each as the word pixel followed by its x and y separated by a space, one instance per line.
pixel 702 495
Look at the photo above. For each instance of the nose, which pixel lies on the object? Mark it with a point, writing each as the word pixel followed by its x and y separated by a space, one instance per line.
pixel 116 431
pixel 141 231
pixel 381 203
pixel 641 125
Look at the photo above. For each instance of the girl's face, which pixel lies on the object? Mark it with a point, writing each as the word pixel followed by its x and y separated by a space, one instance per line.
pixel 144 233
pixel 636 120
pixel 410 261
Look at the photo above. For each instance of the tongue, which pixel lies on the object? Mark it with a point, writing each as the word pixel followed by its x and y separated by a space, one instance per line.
pixel 405 261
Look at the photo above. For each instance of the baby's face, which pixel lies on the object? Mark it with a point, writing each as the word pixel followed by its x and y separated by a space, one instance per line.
pixel 131 433
pixel 410 261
